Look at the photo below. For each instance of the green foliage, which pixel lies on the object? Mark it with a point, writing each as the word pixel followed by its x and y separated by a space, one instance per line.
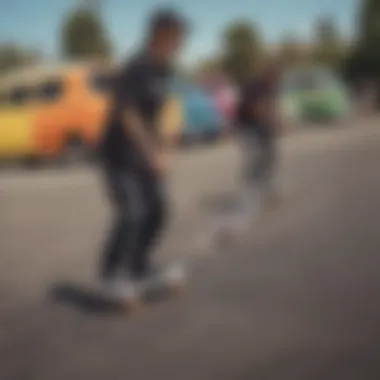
pixel 369 26
pixel 329 48
pixel 242 50
pixel 13 57
pixel 84 36
pixel 207 66
pixel 364 61
pixel 290 52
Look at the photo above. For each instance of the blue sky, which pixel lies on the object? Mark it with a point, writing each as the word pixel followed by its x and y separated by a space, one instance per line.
pixel 36 23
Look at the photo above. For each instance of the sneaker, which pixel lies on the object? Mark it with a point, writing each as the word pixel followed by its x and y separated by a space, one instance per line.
pixel 172 276
pixel 143 275
pixel 121 289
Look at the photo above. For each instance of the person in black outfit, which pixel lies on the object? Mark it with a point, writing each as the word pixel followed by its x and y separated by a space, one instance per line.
pixel 256 123
pixel 133 155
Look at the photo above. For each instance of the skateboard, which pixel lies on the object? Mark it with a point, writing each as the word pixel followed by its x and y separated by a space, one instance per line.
pixel 90 299
pixel 154 291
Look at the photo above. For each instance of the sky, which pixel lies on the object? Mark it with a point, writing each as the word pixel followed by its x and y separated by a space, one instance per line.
pixel 36 23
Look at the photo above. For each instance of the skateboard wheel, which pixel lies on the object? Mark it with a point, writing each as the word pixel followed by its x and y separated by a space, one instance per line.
pixel 132 306
pixel 178 289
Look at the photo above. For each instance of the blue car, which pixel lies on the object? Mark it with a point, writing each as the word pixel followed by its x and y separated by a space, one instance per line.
pixel 201 117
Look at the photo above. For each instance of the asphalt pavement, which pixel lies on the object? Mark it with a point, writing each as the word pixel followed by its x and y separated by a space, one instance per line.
pixel 298 300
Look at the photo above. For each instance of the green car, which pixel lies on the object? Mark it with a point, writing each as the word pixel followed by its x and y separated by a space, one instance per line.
pixel 314 94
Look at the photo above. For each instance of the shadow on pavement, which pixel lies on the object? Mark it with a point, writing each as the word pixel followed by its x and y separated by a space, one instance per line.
pixel 83 298
pixel 88 300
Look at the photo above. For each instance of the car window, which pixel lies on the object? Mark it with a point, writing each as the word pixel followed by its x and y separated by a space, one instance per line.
pixel 328 79
pixel 301 81
pixel 20 95
pixel 50 90
pixel 306 82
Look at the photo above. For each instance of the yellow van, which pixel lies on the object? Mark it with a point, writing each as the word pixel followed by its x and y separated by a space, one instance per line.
pixel 44 111
pixel 49 112
pixel 16 135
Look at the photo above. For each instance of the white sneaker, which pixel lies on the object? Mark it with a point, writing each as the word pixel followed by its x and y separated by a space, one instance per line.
pixel 175 274
pixel 121 289
pixel 172 276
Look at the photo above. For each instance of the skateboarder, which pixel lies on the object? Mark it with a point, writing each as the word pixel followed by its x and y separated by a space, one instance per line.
pixel 257 124
pixel 133 157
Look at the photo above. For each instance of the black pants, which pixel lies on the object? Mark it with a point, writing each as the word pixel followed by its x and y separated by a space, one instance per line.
pixel 260 157
pixel 140 215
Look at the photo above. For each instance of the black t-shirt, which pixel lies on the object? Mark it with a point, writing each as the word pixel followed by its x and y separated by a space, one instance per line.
pixel 252 92
pixel 142 84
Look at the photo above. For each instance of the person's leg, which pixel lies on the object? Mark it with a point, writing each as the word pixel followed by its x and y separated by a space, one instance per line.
pixel 174 274
pixel 112 252
pixel 250 193
pixel 248 200
pixel 270 172
pixel 154 191
pixel 129 216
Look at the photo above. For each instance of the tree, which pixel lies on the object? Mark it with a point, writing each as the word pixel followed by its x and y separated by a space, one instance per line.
pixel 241 50
pixel 369 26
pixel 364 59
pixel 207 67
pixel 13 56
pixel 329 49
pixel 291 52
pixel 368 43
pixel 83 34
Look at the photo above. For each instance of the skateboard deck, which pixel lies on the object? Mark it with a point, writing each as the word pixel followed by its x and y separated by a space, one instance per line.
pixel 155 290
pixel 92 299
pixel 152 294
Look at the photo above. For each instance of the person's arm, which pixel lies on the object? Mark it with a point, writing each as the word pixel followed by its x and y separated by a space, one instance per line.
pixel 134 128
pixel 129 88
